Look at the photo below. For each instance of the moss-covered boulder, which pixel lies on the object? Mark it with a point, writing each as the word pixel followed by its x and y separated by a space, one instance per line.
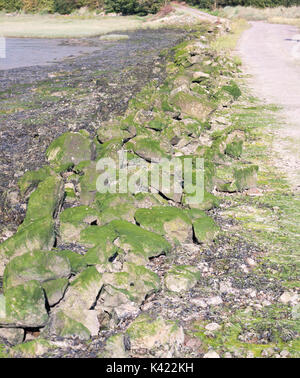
pixel 148 333
pixel 24 306
pixel 115 130
pixel 32 349
pixel 115 206
pixel 55 290
pixel 87 182
pixel 77 262
pixel 45 200
pixel 209 202
pixel 61 325
pixel 115 347
pixel 192 106
pixel 41 266
pixel 149 149
pixel 74 219
pixel 139 244
pixel 181 278
pixel 246 177
pixel 80 298
pixel 68 150
pixel 205 229
pixel 38 235
pixel 30 180
pixel 135 282
pixel 234 148
pixel 13 336
pixel 171 222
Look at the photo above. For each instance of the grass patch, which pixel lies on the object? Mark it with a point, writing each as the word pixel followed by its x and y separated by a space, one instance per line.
pixel 227 42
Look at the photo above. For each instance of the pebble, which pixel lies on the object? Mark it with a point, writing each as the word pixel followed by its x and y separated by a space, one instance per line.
pixel 211 354
pixel 213 327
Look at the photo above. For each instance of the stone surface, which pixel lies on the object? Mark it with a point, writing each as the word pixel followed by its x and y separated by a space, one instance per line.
pixel 181 278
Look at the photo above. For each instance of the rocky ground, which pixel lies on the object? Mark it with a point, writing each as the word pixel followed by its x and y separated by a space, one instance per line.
pixel 142 274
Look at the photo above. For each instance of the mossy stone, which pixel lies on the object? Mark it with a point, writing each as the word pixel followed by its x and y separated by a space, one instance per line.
pixel 25 306
pixel 69 149
pixel 55 290
pixel 148 149
pixel 205 229
pixel 74 219
pixel 30 180
pixel 234 149
pixel 246 178
pixel 77 262
pixel 171 222
pixel 32 349
pixel 181 278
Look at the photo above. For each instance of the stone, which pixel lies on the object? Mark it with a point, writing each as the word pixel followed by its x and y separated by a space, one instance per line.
pixel 289 297
pixel 32 349
pixel 38 235
pixel 114 130
pixel 135 282
pixel 81 297
pixel 77 262
pixel 211 354
pixel 55 290
pixel 171 222
pixel 74 219
pixel 13 336
pixel 148 333
pixel 212 327
pixel 24 306
pixel 40 266
pixel 30 180
pixel 181 278
pixel 205 229
pixel 115 347
pixel 214 301
pixel 199 76
pixel 68 150
pixel 61 325
pixel 246 178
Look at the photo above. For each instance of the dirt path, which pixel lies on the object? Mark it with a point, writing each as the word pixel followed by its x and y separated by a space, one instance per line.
pixel 271 54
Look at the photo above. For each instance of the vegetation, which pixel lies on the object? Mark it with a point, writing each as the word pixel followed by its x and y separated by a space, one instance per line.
pixel 213 4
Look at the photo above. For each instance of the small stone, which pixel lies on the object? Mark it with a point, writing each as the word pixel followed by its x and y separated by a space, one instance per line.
pixel 13 336
pixel 213 327
pixel 288 297
pixel 214 301
pixel 211 354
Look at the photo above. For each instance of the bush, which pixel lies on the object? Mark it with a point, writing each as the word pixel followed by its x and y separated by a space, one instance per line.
pixel 140 7
pixel 38 5
pixel 11 5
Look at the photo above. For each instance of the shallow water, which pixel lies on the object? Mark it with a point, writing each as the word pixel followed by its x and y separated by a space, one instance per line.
pixel 26 52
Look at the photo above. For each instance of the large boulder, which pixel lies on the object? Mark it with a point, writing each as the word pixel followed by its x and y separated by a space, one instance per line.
pixel 69 149
pixel 171 222
pixel 40 266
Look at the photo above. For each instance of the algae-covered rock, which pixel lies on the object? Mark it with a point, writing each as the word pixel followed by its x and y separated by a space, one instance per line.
pixel 38 235
pixel 13 336
pixel 61 325
pixel 135 282
pixel 145 332
pixel 69 149
pixel 246 178
pixel 209 202
pixel 80 298
pixel 45 200
pixel 205 229
pixel 33 348
pixel 24 306
pixel 139 244
pixel 234 148
pixel 122 238
pixel 55 290
pixel 148 148
pixel 115 130
pixel 30 180
pixel 168 221
pixel 74 219
pixel 41 266
pixel 115 206
pixel 77 262
pixel 87 183
pixel 181 278
pixel 192 106
pixel 115 347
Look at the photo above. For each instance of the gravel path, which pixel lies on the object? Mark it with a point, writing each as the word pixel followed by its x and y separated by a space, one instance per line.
pixel 271 54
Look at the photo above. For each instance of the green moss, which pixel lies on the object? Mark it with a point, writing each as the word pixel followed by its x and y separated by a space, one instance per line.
pixel 147 148
pixel 32 349
pixel 181 278
pixel 25 306
pixel 205 229
pixel 77 262
pixel 246 178
pixel 31 179
pixel 69 328
pixel 233 90
pixel 55 290
pixel 74 219
pixel 45 200
pixel 68 150
pixel 38 235
pixel 169 221
pixel 41 266
pixel 234 149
